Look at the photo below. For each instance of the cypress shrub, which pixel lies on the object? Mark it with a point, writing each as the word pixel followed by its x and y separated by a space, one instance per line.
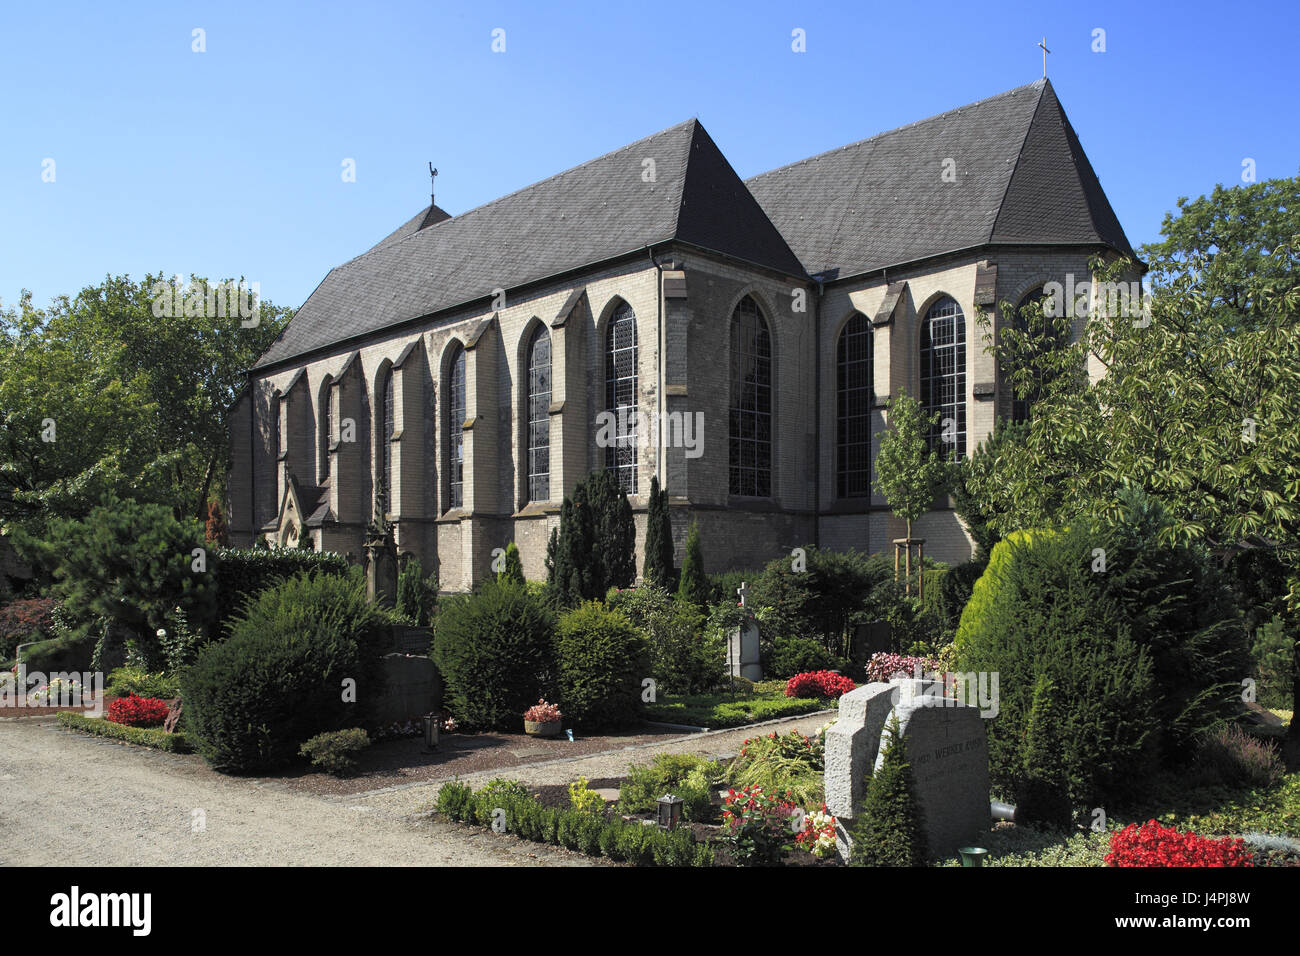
pixel 659 570
pixel 513 572
pixel 694 585
pixel 602 661
pixel 280 678
pixel 495 653
pixel 887 831
pixel 614 533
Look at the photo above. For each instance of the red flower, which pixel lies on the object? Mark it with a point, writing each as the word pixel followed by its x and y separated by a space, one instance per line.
pixel 138 711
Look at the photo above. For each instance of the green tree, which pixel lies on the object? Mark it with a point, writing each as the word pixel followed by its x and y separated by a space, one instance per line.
pixel 514 566
pixel 131 565
pixel 138 402
pixel 659 570
pixel 1199 397
pixel 908 473
pixel 615 534
pixel 694 585
pixel 594 548
pixel 416 594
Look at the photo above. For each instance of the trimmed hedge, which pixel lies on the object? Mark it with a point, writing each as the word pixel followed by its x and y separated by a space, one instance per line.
pixel 602 661
pixel 244 573
pixel 496 655
pixel 281 676
pixel 142 736
pixel 590 833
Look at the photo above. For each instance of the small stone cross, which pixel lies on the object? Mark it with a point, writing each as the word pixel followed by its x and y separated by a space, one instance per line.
pixel 743 591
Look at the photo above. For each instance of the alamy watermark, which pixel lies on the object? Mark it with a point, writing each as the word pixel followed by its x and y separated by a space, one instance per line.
pixel 25 688
pixel 204 299
pixel 1120 300
pixel 629 427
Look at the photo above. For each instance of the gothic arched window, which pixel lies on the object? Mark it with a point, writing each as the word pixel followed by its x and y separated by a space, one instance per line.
pixel 1020 406
pixel 455 429
pixel 750 419
pixel 853 409
pixel 539 415
pixel 384 458
pixel 620 396
pixel 943 377
pixel 326 427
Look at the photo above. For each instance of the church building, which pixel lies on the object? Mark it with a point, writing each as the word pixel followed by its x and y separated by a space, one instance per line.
pixel 651 313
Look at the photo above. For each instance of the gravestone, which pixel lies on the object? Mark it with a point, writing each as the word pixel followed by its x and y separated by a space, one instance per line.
pixel 947 747
pixel 742 645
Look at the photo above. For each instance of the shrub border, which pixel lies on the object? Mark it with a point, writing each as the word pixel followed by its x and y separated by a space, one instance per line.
pixel 141 736
pixel 529 819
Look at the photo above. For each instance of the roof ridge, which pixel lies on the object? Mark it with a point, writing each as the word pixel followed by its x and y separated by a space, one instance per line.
pixel 522 189
pixel 898 129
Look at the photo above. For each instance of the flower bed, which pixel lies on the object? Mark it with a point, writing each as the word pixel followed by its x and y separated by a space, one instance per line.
pixel 1154 845
pixel 132 711
pixel 823 684
pixel 883 666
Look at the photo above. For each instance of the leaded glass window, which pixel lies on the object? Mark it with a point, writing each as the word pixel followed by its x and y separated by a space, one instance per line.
pixel 539 416
pixel 621 396
pixel 943 377
pixel 455 430
pixel 750 419
pixel 853 409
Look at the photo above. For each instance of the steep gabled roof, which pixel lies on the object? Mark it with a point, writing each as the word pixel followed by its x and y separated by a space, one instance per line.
pixel 1020 176
pixel 591 213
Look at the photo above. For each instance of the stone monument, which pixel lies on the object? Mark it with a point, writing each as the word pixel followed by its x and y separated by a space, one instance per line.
pixel 742 644
pixel 947 747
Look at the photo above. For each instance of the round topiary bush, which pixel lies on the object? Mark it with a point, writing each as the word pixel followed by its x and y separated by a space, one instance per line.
pixel 283 675
pixel 602 661
pixel 496 654
pixel 1040 619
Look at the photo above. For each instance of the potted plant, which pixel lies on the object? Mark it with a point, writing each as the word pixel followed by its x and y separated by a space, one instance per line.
pixel 542 720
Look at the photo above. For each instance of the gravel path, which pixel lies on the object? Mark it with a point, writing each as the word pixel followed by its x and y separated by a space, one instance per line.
pixel 70 799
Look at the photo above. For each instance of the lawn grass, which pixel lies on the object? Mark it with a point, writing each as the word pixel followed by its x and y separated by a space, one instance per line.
pixel 721 710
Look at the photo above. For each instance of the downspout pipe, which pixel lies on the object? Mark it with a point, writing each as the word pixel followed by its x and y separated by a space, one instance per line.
pixel 659 368
pixel 817 413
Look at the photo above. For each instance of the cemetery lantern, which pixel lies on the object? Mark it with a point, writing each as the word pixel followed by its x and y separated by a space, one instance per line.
pixel 670 811
pixel 430 732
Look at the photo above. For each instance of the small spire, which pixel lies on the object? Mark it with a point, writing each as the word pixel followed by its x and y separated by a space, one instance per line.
pixel 433 181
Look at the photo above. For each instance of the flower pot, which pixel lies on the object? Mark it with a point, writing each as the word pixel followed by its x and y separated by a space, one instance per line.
pixel 537 728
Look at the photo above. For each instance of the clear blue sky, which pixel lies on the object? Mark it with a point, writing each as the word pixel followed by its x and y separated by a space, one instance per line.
pixel 228 162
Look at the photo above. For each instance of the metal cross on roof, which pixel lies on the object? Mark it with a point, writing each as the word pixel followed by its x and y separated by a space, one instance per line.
pixel 1043 43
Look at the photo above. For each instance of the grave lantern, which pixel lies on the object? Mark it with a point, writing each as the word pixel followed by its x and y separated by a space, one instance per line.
pixel 430 732
pixel 670 811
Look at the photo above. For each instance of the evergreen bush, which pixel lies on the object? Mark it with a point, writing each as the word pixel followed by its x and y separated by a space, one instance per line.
pixel 496 655
pixel 602 660
pixel 285 673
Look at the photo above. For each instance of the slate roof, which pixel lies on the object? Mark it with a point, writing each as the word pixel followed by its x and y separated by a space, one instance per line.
pixel 1021 177
pixel 591 213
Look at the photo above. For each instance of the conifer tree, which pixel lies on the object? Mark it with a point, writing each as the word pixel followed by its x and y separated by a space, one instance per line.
pixel 694 587
pixel 513 572
pixel 887 830
pixel 658 539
